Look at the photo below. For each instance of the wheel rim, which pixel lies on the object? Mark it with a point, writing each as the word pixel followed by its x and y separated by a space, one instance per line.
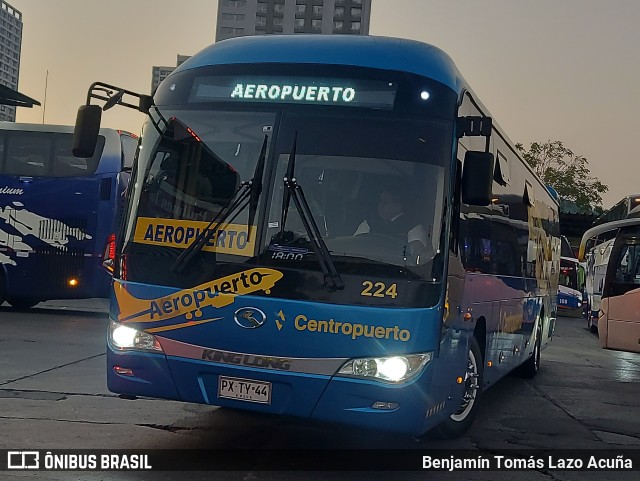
pixel 471 388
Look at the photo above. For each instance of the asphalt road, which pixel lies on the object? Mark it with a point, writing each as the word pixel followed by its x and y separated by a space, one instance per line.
pixel 53 396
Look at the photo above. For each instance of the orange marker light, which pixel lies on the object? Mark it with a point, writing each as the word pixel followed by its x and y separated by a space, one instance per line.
pixel 459 380
pixel 73 282
pixel 489 363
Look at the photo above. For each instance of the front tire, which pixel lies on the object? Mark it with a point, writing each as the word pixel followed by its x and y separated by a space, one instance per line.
pixel 459 422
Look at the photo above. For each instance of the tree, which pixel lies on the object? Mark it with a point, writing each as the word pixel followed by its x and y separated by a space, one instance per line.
pixel 566 172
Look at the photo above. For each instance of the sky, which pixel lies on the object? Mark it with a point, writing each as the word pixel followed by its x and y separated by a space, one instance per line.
pixel 566 70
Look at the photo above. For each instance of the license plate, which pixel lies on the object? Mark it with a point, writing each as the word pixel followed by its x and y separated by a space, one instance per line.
pixel 244 390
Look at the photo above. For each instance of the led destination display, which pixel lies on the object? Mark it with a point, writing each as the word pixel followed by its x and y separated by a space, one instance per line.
pixel 303 90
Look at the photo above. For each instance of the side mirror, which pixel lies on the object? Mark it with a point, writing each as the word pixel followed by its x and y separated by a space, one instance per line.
pixel 477 178
pixel 85 134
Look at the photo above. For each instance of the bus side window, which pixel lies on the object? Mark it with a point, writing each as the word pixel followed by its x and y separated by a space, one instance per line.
pixel 28 155
pixel 65 164
pixel 1 154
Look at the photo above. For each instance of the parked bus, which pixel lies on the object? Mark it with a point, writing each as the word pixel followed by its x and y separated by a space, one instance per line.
pixel 56 211
pixel 618 321
pixel 571 287
pixel 628 206
pixel 262 265
pixel 596 251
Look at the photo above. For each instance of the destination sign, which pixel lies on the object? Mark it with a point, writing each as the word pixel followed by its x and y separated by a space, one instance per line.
pixel 304 90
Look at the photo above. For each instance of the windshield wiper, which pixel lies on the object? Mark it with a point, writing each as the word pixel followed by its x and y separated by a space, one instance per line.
pixel 247 193
pixel 294 190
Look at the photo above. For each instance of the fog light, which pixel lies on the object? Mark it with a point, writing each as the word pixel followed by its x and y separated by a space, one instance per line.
pixel 123 371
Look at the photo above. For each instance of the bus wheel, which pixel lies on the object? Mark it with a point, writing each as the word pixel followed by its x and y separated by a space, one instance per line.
pixel 459 422
pixel 532 365
pixel 22 302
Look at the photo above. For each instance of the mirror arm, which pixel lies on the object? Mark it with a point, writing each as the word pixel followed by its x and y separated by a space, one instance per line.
pixel 475 126
pixel 144 101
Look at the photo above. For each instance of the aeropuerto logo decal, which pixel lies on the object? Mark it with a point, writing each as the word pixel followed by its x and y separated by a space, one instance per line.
pixel 190 302
pixel 228 239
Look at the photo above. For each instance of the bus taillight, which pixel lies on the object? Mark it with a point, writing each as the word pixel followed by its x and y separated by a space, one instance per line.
pixel 123 267
pixel 109 253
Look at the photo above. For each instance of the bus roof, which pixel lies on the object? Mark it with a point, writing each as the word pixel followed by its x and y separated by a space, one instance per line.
pixel 354 50
pixel 599 229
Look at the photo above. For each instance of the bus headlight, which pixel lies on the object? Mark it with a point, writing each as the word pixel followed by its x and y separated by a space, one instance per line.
pixel 124 337
pixel 390 369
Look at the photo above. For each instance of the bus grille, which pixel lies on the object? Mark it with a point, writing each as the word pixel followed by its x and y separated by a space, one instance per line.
pixel 105 188
pixel 55 267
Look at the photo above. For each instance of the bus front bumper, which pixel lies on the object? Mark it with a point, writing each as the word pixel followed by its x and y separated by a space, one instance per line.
pixel 411 407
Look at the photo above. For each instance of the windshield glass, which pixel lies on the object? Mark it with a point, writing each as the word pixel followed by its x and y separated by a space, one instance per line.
pixel 375 187
pixel 185 178
pixel 624 269
pixel 375 201
pixel 568 274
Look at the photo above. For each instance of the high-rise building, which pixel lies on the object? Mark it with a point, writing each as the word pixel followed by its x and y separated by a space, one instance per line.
pixel 10 46
pixel 237 18
pixel 160 73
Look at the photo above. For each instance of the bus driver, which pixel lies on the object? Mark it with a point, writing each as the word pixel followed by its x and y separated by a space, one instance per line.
pixel 391 221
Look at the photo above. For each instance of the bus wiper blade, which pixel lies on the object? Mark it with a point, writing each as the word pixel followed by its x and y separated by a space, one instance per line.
pixel 294 191
pixel 256 185
pixel 236 204
pixel 247 193
pixel 286 193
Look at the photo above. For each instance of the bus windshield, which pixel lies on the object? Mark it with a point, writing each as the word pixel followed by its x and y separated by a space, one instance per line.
pixel 375 186
pixel 624 271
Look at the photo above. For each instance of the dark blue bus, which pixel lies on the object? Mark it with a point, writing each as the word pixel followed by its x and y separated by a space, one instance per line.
pixel 57 211
pixel 329 227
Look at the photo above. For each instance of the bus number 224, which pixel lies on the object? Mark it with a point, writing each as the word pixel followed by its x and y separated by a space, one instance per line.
pixel 379 289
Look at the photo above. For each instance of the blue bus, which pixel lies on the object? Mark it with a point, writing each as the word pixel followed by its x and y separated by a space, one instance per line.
pixel 329 227
pixel 57 211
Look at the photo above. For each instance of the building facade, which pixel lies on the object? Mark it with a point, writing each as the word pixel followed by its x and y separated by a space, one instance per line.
pixel 10 46
pixel 237 18
pixel 160 73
